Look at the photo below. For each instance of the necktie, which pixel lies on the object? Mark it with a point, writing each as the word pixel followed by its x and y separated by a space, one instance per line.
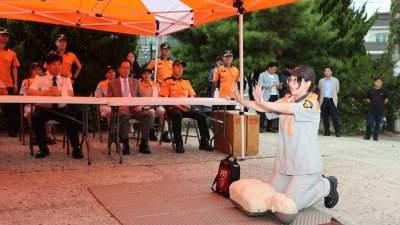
pixel 126 89
pixel 55 105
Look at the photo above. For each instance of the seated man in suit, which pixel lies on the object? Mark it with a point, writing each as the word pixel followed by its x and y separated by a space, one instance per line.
pixel 175 86
pixel 124 86
pixel 49 84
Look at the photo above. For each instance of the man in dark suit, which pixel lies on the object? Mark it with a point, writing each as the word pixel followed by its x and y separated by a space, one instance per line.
pixel 124 86
pixel 329 87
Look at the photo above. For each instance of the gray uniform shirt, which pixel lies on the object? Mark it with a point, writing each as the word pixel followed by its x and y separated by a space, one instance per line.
pixel 298 149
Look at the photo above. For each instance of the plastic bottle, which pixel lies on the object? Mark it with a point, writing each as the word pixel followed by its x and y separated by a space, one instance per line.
pixel 64 91
pixel 155 92
pixel 216 93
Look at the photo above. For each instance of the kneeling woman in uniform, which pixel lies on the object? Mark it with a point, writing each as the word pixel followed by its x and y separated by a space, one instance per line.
pixel 298 164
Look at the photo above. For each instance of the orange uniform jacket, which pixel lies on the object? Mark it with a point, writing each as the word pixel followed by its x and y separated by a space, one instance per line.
pixel 8 59
pixel 227 76
pixel 164 68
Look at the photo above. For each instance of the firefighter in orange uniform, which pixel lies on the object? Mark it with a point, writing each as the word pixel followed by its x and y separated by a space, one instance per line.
pixel 164 68
pixel 9 77
pixel 175 86
pixel 226 74
pixel 69 58
pixel 148 87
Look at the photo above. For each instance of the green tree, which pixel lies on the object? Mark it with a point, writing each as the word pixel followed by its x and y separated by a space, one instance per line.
pixel 269 35
pixel 391 58
pixel 95 49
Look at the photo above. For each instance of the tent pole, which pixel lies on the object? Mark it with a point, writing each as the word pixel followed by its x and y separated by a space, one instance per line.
pixel 241 81
pixel 155 61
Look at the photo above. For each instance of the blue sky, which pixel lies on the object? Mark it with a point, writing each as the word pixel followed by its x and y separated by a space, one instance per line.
pixel 373 5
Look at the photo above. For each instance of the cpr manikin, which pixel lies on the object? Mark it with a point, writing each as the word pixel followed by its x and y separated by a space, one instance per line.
pixel 256 198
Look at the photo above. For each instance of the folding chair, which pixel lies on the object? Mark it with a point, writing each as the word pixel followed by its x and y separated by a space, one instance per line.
pixel 113 129
pixel 98 121
pixel 187 122
pixel 53 132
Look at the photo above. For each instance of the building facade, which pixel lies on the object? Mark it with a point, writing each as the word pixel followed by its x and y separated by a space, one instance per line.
pixel 377 38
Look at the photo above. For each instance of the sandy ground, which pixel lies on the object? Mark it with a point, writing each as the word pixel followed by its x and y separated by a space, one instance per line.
pixel 54 190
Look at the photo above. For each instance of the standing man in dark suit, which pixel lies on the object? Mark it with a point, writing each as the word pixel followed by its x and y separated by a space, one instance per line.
pixel 329 87
pixel 124 86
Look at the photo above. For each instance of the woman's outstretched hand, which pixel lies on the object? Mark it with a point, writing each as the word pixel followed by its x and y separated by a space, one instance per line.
pixel 258 95
pixel 236 93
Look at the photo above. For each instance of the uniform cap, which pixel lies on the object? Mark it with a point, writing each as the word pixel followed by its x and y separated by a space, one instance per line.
pixel 228 53
pixel 60 36
pixel 177 62
pixel 4 31
pixel 304 72
pixel 165 45
pixel 109 67
pixel 146 70
pixel 34 65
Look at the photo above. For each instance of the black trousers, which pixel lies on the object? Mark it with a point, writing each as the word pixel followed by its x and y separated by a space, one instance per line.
pixel 41 116
pixel 176 116
pixel 329 108
pixel 11 111
pixel 272 98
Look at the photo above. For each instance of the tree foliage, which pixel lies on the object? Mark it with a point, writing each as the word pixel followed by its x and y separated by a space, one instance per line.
pixel 316 33
pixel 95 49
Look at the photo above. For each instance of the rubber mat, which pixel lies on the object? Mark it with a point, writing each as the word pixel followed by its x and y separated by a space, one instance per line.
pixel 186 202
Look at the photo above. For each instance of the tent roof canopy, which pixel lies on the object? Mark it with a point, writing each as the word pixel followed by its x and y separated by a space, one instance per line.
pixel 140 17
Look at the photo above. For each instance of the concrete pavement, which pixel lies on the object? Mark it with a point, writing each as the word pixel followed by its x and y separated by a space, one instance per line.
pixel 54 190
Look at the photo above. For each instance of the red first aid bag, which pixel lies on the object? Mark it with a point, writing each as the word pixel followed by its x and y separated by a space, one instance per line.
pixel 228 172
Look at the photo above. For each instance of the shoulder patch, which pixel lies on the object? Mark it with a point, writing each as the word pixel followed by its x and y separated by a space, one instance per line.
pixel 63 75
pixel 163 84
pixel 307 104
pixel 42 74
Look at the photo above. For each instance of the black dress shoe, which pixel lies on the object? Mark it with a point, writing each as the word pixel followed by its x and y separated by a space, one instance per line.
pixel 337 134
pixel 179 147
pixel 270 130
pixel 125 148
pixel 332 199
pixel 50 141
pixel 34 141
pixel 152 136
pixel 77 153
pixel 125 151
pixel 327 133
pixel 144 147
pixel 366 138
pixel 43 153
pixel 205 145
pixel 376 139
pixel 260 130
pixel 165 138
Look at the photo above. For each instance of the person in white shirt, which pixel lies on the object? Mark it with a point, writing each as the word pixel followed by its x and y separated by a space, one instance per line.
pixel 269 82
pixel 50 84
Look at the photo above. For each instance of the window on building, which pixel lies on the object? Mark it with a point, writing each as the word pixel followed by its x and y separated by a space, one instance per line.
pixel 382 37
